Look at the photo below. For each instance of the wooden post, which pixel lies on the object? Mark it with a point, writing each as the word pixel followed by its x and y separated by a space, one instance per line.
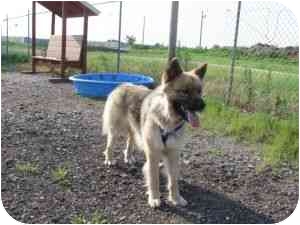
pixel 53 24
pixel 33 36
pixel 63 40
pixel 173 29
pixel 84 43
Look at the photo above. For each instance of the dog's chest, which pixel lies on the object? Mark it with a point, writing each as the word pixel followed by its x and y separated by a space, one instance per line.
pixel 174 139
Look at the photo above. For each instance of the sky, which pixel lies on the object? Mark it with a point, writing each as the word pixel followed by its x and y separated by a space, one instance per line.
pixel 264 22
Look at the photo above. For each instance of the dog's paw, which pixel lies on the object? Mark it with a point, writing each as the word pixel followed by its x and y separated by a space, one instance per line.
pixel 154 202
pixel 110 162
pixel 179 201
pixel 129 160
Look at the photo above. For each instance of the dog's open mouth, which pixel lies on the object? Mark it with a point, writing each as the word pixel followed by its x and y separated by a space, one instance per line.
pixel 189 116
pixel 192 118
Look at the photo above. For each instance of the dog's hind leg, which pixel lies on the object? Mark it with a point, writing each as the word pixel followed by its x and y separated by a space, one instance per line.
pixel 129 150
pixel 172 168
pixel 108 150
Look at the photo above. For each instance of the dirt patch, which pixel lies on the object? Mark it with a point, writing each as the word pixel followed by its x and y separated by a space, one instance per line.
pixel 46 126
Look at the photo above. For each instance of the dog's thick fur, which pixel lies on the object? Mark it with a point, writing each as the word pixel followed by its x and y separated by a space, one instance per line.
pixel 141 114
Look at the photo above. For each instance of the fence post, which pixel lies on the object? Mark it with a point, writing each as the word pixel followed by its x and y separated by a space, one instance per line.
pixel 233 55
pixel 33 36
pixel 143 35
pixel 7 36
pixel 119 38
pixel 173 29
pixel 28 33
pixel 201 28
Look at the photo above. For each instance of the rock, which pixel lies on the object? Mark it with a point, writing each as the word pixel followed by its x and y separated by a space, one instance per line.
pixel 12 177
pixel 122 218
pixel 251 166
pixel 123 175
pixel 9 163
pixel 186 161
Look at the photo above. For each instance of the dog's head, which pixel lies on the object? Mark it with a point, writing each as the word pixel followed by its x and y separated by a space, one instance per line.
pixel 184 90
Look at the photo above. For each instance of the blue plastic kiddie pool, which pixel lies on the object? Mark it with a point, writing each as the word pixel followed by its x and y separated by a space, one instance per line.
pixel 101 84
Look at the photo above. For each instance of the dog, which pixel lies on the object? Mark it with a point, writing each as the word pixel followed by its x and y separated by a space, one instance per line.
pixel 154 120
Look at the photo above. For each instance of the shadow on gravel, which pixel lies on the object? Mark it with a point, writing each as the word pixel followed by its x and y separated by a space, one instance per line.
pixel 211 207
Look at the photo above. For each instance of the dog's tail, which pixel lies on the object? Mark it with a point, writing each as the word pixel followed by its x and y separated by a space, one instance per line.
pixel 106 116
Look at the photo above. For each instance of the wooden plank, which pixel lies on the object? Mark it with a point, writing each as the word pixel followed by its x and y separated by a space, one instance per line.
pixel 53 24
pixel 74 8
pixel 73 47
pixel 33 65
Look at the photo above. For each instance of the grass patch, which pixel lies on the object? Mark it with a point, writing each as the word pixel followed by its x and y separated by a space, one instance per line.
pixel 96 218
pixel 216 152
pixel 9 62
pixel 61 176
pixel 279 137
pixel 269 91
pixel 27 168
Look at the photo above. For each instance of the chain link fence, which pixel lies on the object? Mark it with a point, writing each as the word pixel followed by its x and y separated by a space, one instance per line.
pixel 267 65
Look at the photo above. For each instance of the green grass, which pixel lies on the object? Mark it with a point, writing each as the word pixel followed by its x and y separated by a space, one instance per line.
pixel 214 56
pixel 278 137
pixel 96 218
pixel 61 176
pixel 27 168
pixel 283 86
pixel 216 152
pixel 17 54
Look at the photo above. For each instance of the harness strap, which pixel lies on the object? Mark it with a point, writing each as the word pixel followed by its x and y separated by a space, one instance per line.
pixel 165 134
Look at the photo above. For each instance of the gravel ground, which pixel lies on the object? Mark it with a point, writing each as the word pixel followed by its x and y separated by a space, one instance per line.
pixel 47 126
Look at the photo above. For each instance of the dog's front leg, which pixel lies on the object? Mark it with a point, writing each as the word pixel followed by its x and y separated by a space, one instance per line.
pixel 151 172
pixel 171 161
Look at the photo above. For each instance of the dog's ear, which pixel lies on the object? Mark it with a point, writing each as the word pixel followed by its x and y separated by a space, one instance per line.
pixel 200 71
pixel 172 71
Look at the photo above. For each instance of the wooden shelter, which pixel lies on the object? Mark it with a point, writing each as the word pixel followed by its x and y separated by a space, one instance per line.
pixel 61 44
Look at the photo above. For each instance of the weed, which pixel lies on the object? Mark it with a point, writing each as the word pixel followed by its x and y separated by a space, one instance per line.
pixel 216 152
pixel 27 168
pixel 249 86
pixel 278 137
pixel 60 175
pixel 96 218
pixel 78 219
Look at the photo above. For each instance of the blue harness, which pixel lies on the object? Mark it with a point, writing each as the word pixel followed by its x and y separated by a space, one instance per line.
pixel 165 134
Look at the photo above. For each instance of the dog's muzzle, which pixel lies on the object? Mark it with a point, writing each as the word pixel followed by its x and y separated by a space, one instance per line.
pixel 188 110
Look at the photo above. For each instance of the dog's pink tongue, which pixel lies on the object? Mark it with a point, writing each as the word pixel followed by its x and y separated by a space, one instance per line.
pixel 193 119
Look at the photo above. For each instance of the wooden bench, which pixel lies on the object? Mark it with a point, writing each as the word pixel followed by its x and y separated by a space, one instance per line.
pixel 53 54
